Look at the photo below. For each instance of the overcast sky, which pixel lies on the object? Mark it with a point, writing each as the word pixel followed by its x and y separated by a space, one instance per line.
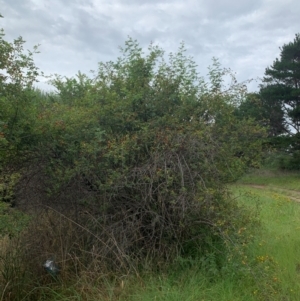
pixel 77 34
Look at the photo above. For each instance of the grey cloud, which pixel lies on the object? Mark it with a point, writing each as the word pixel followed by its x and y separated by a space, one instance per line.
pixel 77 34
pixel 224 9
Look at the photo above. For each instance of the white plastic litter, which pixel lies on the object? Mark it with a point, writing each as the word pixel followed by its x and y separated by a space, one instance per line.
pixel 51 267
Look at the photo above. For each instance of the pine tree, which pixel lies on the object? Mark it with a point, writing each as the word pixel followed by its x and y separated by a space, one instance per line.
pixel 280 90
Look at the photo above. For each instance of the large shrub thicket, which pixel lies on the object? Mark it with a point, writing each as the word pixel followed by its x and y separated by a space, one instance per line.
pixel 127 165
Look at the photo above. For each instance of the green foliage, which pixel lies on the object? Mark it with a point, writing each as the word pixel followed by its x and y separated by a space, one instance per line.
pixel 12 222
pixel 276 106
pixel 253 107
pixel 279 95
pixel 281 84
pixel 153 144
pixel 17 115
pixel 284 152
pixel 7 186
pixel 273 111
pixel 125 173
pixel 133 161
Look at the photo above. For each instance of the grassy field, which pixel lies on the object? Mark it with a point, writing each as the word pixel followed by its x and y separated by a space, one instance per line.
pixel 278 196
pixel 271 262
pixel 266 268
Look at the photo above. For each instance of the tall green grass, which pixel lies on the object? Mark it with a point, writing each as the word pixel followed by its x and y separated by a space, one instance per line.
pixel 279 239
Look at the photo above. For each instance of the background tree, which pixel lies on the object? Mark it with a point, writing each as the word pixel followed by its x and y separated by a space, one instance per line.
pixel 280 95
pixel 281 84
pixel 251 107
pixel 266 113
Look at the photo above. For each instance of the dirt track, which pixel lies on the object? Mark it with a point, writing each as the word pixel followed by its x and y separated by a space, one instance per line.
pixel 294 195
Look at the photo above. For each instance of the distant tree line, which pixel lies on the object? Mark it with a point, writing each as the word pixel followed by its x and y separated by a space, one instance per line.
pixel 277 104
